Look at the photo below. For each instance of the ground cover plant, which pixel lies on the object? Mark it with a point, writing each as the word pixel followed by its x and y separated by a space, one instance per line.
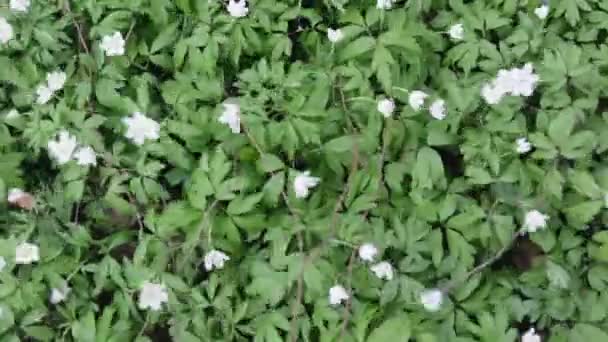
pixel 313 170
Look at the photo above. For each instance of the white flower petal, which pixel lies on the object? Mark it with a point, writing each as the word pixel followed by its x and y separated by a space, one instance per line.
pixel 58 295
pixel 43 94
pixel 6 31
pixel 113 45
pixel 231 116
pixel 523 145
pixel 367 252
pixel 456 32
pixel 534 221
pixel 26 253
pixel 530 336
pixel 20 5
pixel 384 4
pixel 416 99
pixel 542 12
pixel 152 296
pixel 386 107
pixel 431 299
pixel 2 263
pixel 215 259
pixel 437 109
pixel 62 149
pixel 337 295
pixel 56 80
pixel 86 156
pixel 140 128
pixel 383 270
pixel 237 8
pixel 334 36
pixel 303 183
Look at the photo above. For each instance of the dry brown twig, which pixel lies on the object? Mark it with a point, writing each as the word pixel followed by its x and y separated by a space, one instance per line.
pixel 68 10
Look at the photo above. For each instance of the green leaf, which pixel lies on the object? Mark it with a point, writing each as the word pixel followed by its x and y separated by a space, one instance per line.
pixel 396 329
pixel 356 48
pixel 241 205
pixel 166 37
pixel 269 163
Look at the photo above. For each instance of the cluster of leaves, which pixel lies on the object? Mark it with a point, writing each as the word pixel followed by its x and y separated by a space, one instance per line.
pixel 437 197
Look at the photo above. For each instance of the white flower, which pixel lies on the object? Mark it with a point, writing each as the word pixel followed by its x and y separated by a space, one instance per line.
pixel 431 299
pixel 514 82
pixel 20 5
pixel 113 44
pixel 367 252
pixel 456 32
pixel 85 156
pixel 530 336
pixel 522 145
pixel 334 36
pixel 152 296
pixel 14 195
pixel 337 295
pixel 6 31
pixel 542 11
pixel 237 9
pixel 386 107
pixel 416 99
pixel 140 128
pixel 59 295
pixel 2 263
pixel 215 259
pixel 383 270
pixel 56 80
pixel 44 94
pixel 535 220
pixel 26 253
pixel 13 113
pixel 63 148
pixel 492 94
pixel 523 81
pixel 231 116
pixel 303 183
pixel 384 4
pixel 437 109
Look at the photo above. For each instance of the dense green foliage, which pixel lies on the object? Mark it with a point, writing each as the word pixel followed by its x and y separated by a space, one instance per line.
pixel 441 198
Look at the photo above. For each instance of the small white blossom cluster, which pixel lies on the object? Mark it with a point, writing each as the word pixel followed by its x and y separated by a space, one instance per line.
pixel 383 269
pixel 514 82
pixel 65 148
pixel 367 253
pixel 54 82
pixel 416 100
pixel 113 44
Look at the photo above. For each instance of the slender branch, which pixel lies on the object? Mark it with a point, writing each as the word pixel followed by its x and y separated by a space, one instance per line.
pixel 83 43
pixel 489 262
pixel 346 316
